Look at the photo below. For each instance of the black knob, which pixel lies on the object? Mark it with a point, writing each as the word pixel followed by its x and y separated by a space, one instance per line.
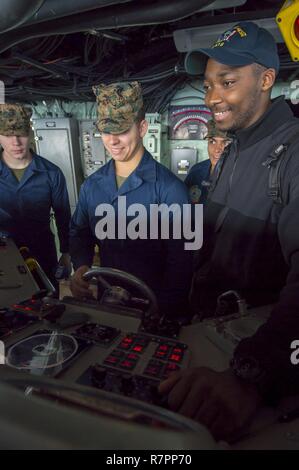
pixel 127 385
pixel 98 375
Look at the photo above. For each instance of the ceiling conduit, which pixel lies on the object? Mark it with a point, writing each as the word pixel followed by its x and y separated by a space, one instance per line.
pixel 124 15
pixel 52 9
pixel 15 12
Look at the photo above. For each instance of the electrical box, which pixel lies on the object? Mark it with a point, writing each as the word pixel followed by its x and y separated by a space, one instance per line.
pixel 92 148
pixel 57 141
pixel 152 139
pixel 182 159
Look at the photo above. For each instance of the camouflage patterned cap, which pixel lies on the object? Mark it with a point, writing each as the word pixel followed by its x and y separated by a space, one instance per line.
pixel 14 120
pixel 118 106
pixel 214 132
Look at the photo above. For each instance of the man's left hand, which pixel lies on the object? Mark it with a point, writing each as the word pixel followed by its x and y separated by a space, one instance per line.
pixel 218 400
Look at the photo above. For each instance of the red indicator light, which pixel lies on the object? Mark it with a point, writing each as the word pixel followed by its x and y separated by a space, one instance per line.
pixel 169 369
pixel 160 354
pixel 138 348
pixel 175 358
pixel 296 28
pixel 128 340
pixel 132 356
pixel 124 346
pixel 127 364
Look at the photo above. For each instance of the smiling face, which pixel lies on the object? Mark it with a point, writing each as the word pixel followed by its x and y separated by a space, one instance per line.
pixel 127 146
pixel 237 96
pixel 216 145
pixel 15 148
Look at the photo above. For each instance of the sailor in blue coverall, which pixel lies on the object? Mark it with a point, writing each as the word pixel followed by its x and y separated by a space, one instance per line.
pixel 198 179
pixel 132 172
pixel 30 186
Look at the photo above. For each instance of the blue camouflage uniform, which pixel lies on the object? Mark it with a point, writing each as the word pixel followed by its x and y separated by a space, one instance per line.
pixel 163 264
pixel 25 209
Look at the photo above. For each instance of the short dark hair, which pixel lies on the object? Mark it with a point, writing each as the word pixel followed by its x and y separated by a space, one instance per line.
pixel 140 115
pixel 258 69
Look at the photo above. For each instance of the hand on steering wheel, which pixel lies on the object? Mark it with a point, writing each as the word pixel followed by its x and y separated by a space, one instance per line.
pixel 120 296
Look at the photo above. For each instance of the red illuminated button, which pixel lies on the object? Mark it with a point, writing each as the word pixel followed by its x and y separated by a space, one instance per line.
pixel 124 345
pixel 177 351
pixel 175 357
pixel 162 351
pixel 111 360
pixel 154 368
pixel 153 371
pixel 169 369
pixel 138 348
pixel 128 339
pixel 163 347
pixel 161 354
pixel 129 365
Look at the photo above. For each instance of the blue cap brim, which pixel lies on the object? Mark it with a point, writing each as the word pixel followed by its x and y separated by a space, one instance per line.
pixel 195 61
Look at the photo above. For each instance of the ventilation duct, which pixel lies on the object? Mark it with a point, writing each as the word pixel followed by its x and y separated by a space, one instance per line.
pixel 53 9
pixel 16 12
pixel 125 15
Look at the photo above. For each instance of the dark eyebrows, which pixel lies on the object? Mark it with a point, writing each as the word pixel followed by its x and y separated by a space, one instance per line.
pixel 224 73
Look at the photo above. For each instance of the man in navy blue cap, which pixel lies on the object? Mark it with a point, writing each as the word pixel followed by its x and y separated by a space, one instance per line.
pixel 251 233
pixel 244 44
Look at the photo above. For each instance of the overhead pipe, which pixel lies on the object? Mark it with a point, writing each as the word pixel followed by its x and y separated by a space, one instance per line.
pixel 53 9
pixel 15 12
pixel 106 18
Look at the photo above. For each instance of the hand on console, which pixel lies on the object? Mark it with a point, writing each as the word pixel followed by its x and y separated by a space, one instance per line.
pixel 218 400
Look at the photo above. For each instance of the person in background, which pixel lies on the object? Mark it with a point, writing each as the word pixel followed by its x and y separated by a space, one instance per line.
pixel 132 172
pixel 198 179
pixel 30 186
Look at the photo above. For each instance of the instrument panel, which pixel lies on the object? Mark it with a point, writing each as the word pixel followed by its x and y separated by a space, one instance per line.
pixel 107 361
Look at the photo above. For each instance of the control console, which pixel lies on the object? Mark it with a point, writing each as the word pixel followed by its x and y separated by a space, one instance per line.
pixel 135 366
pixel 112 358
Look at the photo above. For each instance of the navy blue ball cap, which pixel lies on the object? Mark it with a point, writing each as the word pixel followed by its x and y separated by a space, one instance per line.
pixel 244 44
